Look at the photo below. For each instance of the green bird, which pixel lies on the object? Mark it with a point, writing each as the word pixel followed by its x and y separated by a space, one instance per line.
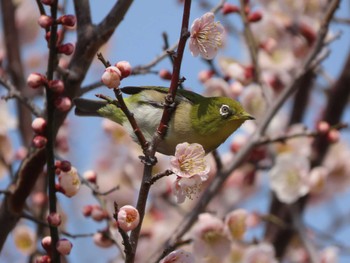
pixel 208 121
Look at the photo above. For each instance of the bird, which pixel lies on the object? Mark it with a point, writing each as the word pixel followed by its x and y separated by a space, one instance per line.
pixel 208 121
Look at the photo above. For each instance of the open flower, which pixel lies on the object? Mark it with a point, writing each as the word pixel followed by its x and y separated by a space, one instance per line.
pixel 189 161
pixel 178 256
pixel 206 36
pixel 289 177
pixel 261 253
pixel 128 218
pixel 69 182
pixel 25 239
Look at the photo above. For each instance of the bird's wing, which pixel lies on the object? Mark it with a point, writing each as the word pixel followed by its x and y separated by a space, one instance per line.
pixel 180 95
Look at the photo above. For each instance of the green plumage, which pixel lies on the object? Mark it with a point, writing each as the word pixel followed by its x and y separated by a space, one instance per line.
pixel 208 121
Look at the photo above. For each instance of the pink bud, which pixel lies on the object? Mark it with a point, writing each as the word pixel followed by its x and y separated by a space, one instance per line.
pixel 21 153
pixel 64 246
pixel 87 210
pixel 36 80
pixel 333 136
pixel 255 17
pixel 54 219
pixel 124 67
pixel 229 8
pixel 165 74
pixel 98 214
pixel 56 85
pixel 323 127
pixel 90 176
pixel 45 21
pixel 101 240
pixel 47 2
pixel 43 259
pixel 128 218
pixel 39 125
pixel 66 49
pixel 39 141
pixel 67 20
pixel 46 243
pixel 111 77
pixel 63 104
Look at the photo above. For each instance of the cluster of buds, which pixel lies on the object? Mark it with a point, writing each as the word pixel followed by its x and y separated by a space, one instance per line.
pixel 63 246
pixel 232 9
pixel 96 212
pixel 324 128
pixel 68 178
pixel 114 74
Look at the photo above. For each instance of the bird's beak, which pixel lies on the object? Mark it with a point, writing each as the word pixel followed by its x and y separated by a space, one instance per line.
pixel 246 116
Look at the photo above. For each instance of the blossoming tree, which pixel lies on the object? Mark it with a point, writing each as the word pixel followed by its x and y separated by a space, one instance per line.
pixel 250 200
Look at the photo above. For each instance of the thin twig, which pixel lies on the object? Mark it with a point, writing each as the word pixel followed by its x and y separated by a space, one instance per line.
pixel 158 176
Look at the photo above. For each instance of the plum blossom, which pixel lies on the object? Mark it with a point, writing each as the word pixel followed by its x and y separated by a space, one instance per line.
pixel 178 256
pixel 111 77
pixel 289 177
pixel 64 246
pixel 210 241
pixel 261 253
pixel 189 161
pixel 101 240
pixel 69 182
pixel 128 218
pixel 206 36
pixel 191 168
pixel 253 101
pixel 25 239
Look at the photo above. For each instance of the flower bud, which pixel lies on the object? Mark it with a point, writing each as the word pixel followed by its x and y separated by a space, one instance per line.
pixel 124 67
pixel 36 80
pixel 39 125
pixel 43 259
pixel 236 223
pixel 39 141
pixel 87 210
pixel 128 218
pixel 56 85
pixel 54 219
pixel 45 21
pixel 205 75
pixel 46 243
pixel 333 136
pixel 67 20
pixel 98 214
pixel 90 176
pixel 66 49
pixel 63 104
pixel 47 2
pixel 165 74
pixel 229 8
pixel 111 77
pixel 323 127
pixel 69 182
pixel 64 165
pixel 64 246
pixel 255 17
pixel 101 240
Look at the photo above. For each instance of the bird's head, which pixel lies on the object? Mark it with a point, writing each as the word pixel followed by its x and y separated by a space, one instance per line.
pixel 220 113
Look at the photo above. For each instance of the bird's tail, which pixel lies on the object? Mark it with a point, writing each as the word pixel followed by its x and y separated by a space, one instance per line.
pixel 84 107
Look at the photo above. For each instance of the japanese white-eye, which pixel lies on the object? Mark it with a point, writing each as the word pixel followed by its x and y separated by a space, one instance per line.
pixel 208 121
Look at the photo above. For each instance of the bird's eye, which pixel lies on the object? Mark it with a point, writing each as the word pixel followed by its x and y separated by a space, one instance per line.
pixel 224 110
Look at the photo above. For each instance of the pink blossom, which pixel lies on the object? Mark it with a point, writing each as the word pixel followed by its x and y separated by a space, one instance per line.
pixel 90 176
pixel 46 243
pixel 39 141
pixel 289 177
pixel 54 219
pixel 189 161
pixel 64 246
pixel 45 21
pixel 39 125
pixel 98 213
pixel 69 182
pixel 56 85
pixel 210 241
pixel 128 218
pixel 111 77
pixel 178 256
pixel 261 253
pixel 318 176
pixel 187 187
pixel 66 49
pixel 206 36
pixel 63 104
pixel 36 80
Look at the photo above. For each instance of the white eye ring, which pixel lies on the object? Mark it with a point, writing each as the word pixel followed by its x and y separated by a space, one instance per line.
pixel 224 110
